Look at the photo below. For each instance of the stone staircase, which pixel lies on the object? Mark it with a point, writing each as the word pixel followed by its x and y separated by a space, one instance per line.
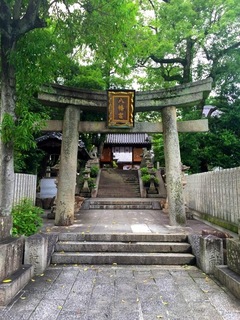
pixel 117 183
pixel 123 249
pixel 121 203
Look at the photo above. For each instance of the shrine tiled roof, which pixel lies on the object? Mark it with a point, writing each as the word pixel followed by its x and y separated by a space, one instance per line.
pixel 56 136
pixel 128 138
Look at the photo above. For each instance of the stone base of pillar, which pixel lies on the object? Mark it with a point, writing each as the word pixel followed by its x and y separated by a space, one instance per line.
pixel 6 227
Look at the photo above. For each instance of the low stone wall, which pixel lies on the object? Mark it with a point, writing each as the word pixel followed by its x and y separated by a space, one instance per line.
pixel 215 196
pixel 229 275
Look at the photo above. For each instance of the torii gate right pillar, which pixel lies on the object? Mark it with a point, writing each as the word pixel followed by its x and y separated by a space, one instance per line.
pixel 177 214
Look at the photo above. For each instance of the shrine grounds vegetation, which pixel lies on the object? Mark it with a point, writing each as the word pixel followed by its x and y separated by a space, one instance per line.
pixel 27 218
pixel 105 44
pixel 146 177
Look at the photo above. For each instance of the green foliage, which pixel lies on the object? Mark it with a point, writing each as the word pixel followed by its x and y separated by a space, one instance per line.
pixel 144 171
pixel 189 40
pixel 146 179
pixel 101 42
pixel 7 128
pixel 91 180
pixel 114 164
pixel 146 176
pixel 158 149
pixel 86 77
pixel 108 29
pixel 28 162
pixel 91 183
pixel 94 171
pixel 26 218
pixel 217 148
pixel 20 132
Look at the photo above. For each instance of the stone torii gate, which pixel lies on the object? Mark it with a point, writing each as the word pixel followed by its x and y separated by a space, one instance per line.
pixel 165 101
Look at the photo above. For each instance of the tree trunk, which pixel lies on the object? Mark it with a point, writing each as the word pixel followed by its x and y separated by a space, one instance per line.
pixel 187 72
pixel 7 107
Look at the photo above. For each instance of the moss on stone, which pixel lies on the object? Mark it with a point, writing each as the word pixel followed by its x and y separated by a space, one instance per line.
pixel 221 223
pixel 181 219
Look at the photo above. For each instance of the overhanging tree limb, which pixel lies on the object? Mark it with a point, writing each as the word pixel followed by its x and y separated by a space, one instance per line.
pixel 5 17
pixel 176 77
pixel 228 49
pixel 168 60
pixel 17 9
pixel 30 20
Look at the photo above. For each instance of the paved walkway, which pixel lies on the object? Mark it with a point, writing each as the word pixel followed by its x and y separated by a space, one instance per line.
pixel 124 221
pixel 122 293
pixel 118 292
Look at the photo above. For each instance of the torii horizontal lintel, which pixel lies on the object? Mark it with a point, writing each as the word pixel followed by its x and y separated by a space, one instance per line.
pixel 185 95
pixel 144 127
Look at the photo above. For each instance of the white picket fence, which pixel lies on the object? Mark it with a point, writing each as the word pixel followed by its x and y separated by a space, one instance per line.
pixel 25 186
pixel 215 193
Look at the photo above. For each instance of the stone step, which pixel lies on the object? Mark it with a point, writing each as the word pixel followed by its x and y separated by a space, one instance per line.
pixel 120 185
pixel 116 195
pixel 115 183
pixel 147 247
pixel 121 204
pixel 123 248
pixel 109 206
pixel 121 258
pixel 123 237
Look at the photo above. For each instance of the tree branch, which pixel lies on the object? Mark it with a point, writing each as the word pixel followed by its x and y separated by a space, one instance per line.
pixel 207 53
pixel 210 112
pixel 226 50
pixel 168 61
pixel 5 18
pixel 17 9
pixel 30 20
pixel 152 4
pixel 175 77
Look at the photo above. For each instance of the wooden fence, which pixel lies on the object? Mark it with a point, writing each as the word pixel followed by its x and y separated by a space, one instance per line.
pixel 216 194
pixel 24 187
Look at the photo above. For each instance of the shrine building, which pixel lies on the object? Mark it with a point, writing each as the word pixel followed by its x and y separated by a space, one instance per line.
pixel 124 149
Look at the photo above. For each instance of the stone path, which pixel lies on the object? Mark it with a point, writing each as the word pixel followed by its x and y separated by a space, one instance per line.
pixel 124 221
pixel 122 293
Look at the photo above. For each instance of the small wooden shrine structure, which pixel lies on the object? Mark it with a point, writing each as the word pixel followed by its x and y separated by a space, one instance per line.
pixel 124 149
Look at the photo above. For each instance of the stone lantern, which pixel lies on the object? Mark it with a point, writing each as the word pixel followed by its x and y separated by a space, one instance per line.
pixel 85 191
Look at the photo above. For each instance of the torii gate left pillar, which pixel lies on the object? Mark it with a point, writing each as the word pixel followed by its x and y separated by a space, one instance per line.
pixel 68 168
